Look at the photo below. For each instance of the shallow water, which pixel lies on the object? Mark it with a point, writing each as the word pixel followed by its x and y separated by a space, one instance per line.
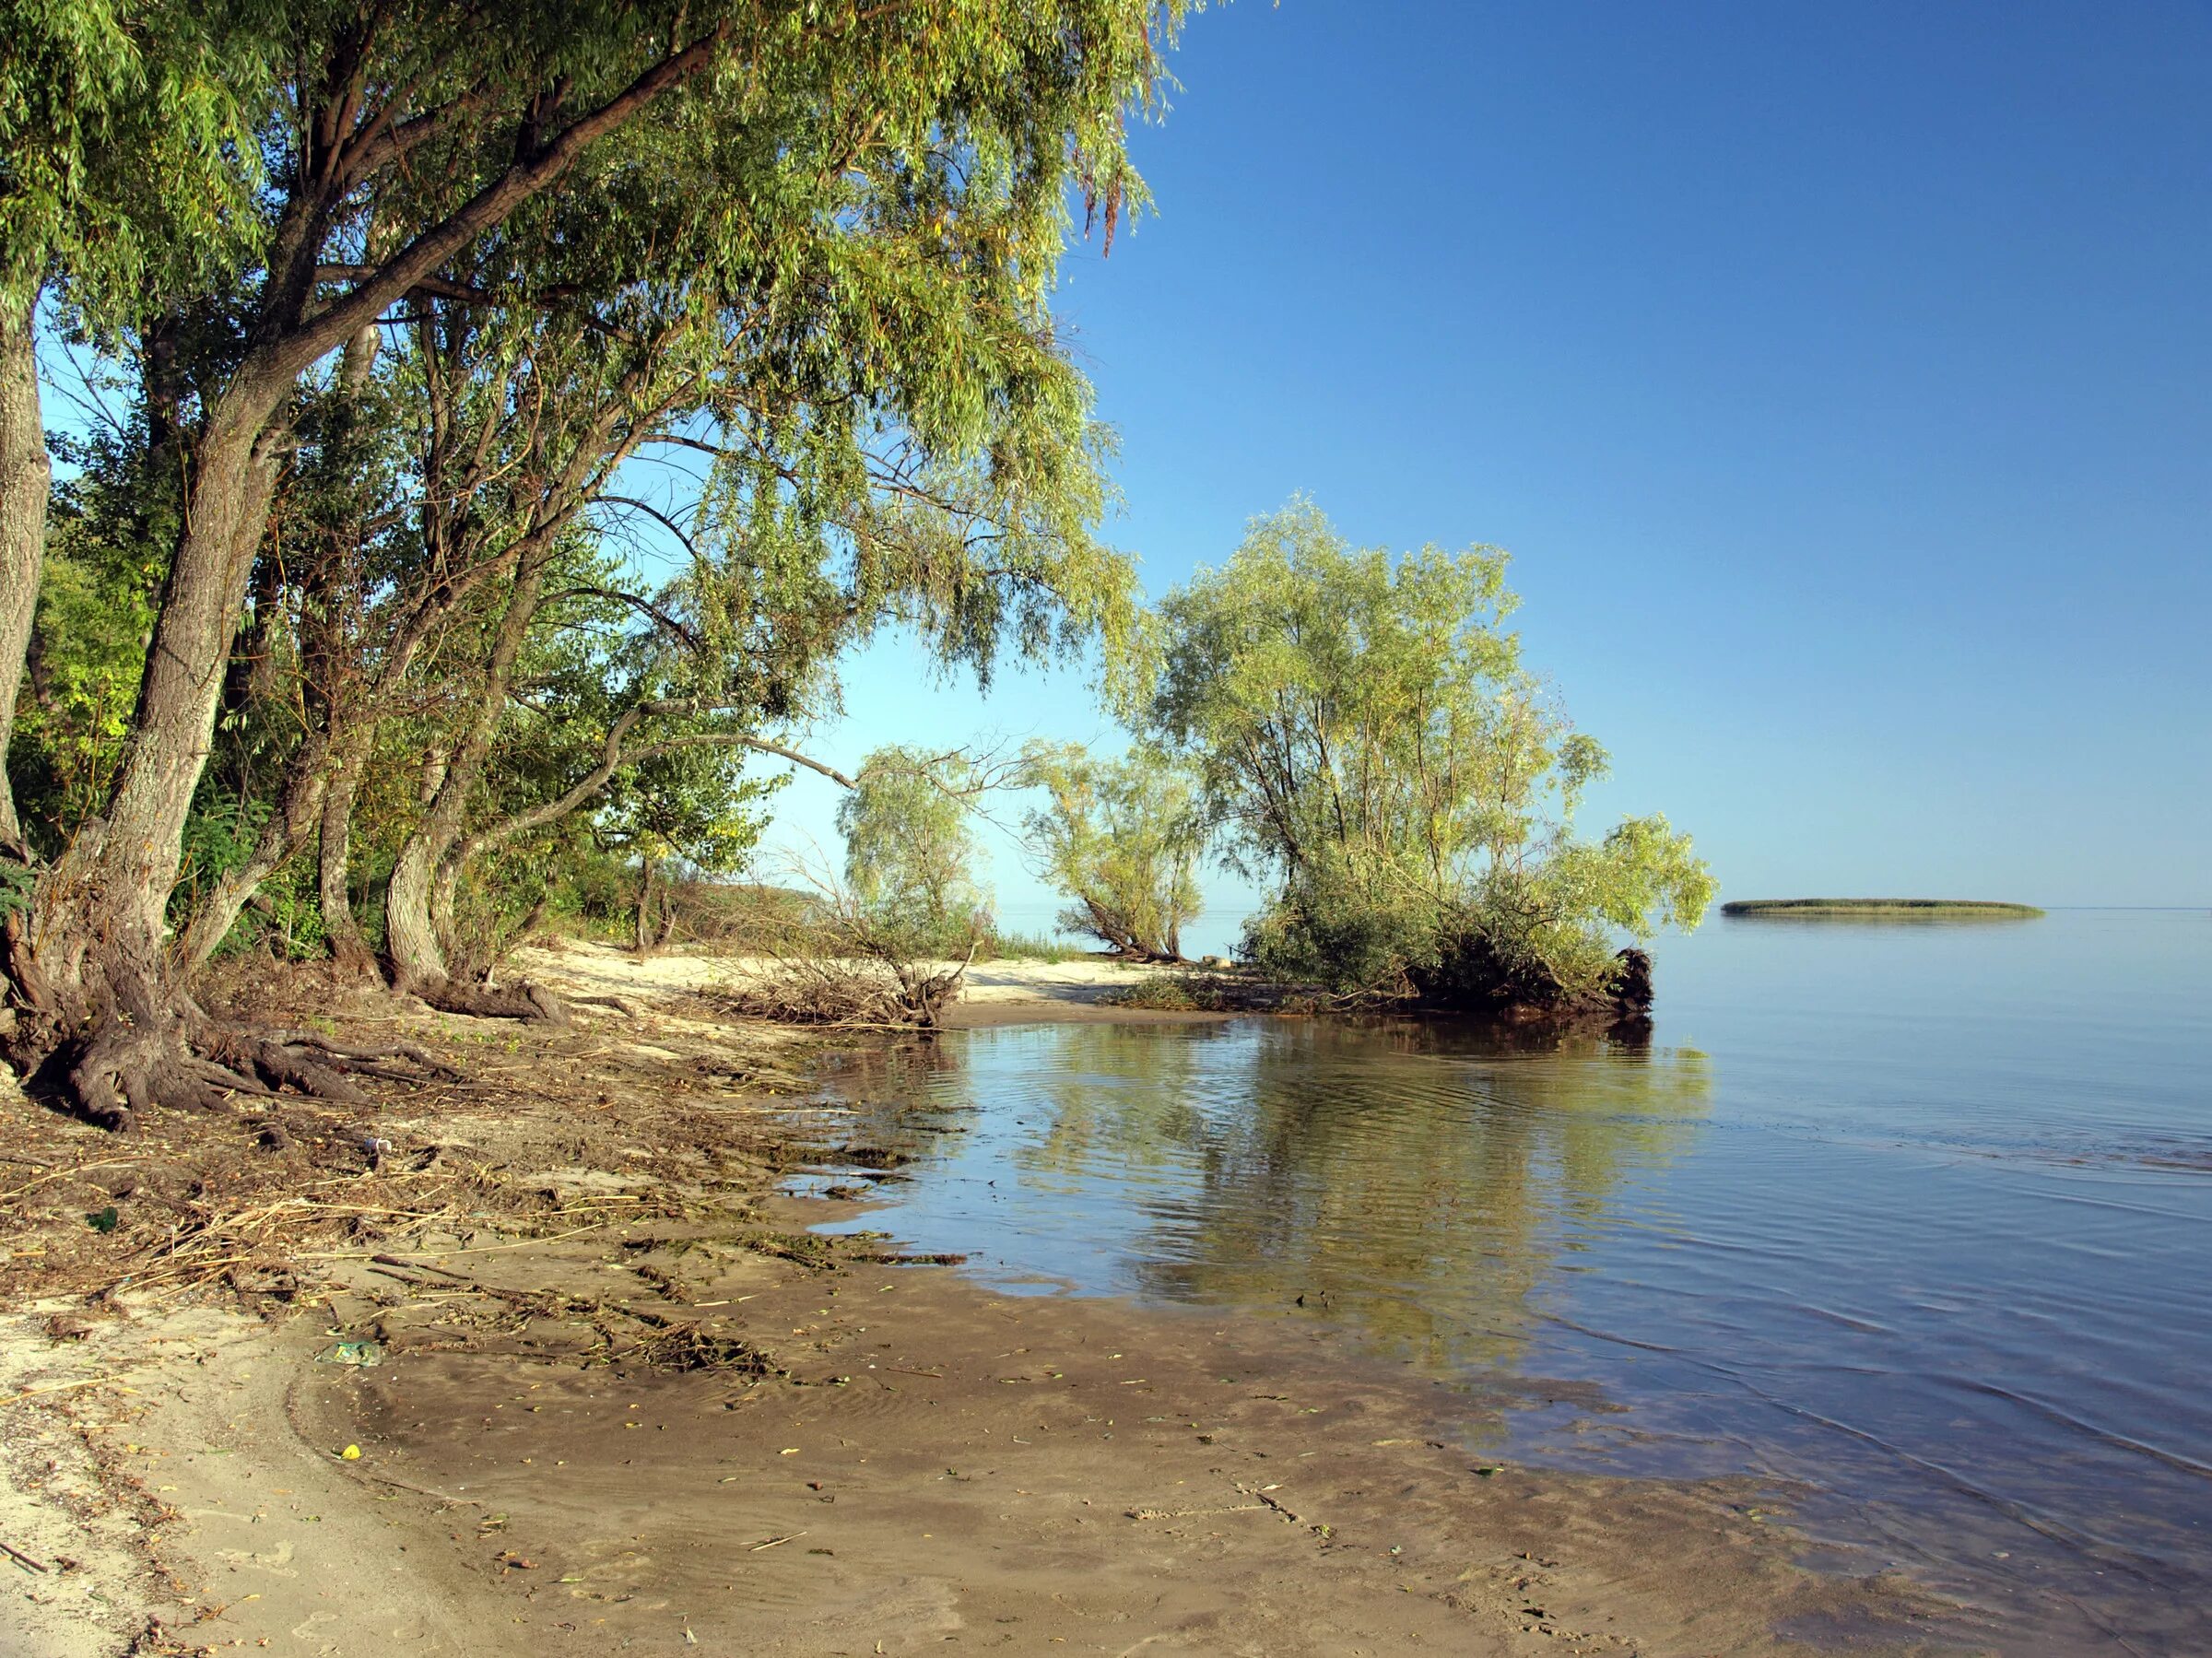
pixel 1916 1220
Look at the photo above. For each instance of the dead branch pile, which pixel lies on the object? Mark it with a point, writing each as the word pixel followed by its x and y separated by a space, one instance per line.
pixel 850 991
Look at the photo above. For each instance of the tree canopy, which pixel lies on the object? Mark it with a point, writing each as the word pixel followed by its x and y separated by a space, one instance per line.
pixel 910 851
pixel 1368 741
pixel 505 401
pixel 1121 839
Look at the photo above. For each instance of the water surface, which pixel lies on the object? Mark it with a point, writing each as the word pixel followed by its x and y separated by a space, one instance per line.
pixel 1915 1218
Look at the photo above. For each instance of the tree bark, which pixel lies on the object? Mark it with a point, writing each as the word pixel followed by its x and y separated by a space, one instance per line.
pixel 644 928
pixel 422 879
pixel 89 960
pixel 25 475
pixel 347 947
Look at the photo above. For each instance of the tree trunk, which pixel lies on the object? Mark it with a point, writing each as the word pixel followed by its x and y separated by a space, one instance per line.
pixel 422 882
pixel 347 947
pixel 89 962
pixel 1107 928
pixel 419 957
pixel 644 929
pixel 409 938
pixel 25 475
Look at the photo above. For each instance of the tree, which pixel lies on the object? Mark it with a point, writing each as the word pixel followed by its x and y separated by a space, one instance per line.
pixel 1121 839
pixel 1366 735
pixel 422 159
pixel 127 173
pixel 691 807
pixel 910 852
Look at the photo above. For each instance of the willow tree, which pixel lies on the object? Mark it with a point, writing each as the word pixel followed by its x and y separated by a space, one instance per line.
pixel 911 853
pixel 126 167
pixel 1120 839
pixel 1365 733
pixel 399 139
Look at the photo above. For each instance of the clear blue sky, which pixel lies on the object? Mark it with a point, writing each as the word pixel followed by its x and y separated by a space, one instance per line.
pixel 1841 379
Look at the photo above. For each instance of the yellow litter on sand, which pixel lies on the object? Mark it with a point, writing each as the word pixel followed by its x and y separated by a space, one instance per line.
pixel 352 1453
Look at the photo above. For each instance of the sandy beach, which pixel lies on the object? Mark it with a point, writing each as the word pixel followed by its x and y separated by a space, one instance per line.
pixel 549 1366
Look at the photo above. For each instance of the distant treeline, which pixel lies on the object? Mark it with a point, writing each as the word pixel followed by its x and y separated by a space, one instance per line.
pixel 1875 906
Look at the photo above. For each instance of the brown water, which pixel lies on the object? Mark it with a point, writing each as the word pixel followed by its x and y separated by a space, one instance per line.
pixel 1915 1221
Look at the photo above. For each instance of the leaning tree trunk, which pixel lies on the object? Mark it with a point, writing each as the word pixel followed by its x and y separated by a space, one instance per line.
pixel 88 965
pixel 25 473
pixel 423 878
pixel 1110 930
pixel 104 898
pixel 418 962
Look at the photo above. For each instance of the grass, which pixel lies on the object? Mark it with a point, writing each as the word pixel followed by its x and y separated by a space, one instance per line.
pixel 1912 909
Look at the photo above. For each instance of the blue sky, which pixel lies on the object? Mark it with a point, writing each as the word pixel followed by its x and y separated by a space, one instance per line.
pixel 1841 379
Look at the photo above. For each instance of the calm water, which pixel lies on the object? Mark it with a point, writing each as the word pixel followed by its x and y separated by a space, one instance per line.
pixel 1915 1217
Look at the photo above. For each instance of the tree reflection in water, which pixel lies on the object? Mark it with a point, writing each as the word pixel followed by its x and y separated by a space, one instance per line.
pixel 1415 1182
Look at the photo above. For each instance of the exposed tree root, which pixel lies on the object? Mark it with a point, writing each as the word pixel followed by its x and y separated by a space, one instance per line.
pixel 352 961
pixel 362 1059
pixel 531 1002
pixel 622 1005
pixel 187 1060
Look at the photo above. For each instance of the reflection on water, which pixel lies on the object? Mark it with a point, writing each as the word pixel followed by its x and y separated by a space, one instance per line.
pixel 1414 1181
pixel 1913 1219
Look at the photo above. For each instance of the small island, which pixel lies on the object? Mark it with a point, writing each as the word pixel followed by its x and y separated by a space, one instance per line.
pixel 1858 908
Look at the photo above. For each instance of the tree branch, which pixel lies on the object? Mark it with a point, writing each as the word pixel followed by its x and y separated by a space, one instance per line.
pixel 529 174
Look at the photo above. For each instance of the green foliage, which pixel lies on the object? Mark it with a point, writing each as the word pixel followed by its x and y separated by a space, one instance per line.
pixel 692 804
pixel 219 836
pixel 1122 837
pixel 87 652
pixel 910 852
pixel 1364 732
pixel 128 152
pixel 824 259
pixel 17 880
pixel 109 531
pixel 1176 992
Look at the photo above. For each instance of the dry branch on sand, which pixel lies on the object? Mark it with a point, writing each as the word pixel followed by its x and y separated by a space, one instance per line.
pixel 849 992
pixel 846 964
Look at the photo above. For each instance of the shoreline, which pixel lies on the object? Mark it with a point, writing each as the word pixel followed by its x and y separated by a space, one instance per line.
pixel 684 1419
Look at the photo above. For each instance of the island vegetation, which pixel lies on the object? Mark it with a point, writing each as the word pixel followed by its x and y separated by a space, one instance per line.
pixel 1368 742
pixel 1877 909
